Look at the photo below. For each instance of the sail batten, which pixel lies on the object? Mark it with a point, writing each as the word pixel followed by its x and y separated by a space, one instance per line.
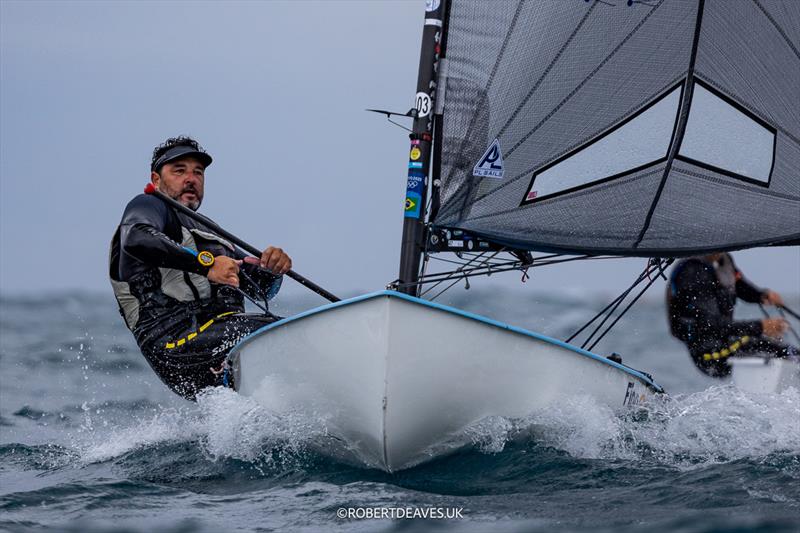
pixel 574 101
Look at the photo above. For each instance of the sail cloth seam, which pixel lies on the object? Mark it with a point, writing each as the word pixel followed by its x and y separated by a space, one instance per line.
pixel 482 102
pixel 680 129
pixel 467 190
pixel 758 189
pixel 546 71
pixel 585 80
pixel 778 27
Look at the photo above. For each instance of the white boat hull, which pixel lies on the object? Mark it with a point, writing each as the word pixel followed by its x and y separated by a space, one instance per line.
pixel 764 374
pixel 395 377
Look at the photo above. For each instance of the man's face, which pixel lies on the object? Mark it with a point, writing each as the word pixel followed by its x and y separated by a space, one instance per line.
pixel 182 180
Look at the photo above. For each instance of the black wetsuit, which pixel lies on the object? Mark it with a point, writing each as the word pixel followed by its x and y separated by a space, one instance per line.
pixel 701 298
pixel 184 324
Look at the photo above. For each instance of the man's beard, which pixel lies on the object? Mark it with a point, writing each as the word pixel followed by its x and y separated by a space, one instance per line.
pixel 193 205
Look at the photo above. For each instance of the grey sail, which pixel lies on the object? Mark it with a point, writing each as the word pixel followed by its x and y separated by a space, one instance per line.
pixel 663 128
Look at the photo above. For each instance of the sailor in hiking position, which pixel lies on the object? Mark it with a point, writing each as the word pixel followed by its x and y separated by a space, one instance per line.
pixel 701 297
pixel 179 286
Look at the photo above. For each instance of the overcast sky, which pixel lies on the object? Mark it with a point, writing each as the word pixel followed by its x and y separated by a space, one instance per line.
pixel 275 91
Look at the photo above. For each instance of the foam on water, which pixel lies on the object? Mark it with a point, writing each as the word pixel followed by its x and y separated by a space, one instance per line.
pixel 223 424
pixel 720 424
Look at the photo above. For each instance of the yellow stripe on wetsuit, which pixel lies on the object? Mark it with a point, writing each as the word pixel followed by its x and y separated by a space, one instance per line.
pixel 192 335
pixel 726 352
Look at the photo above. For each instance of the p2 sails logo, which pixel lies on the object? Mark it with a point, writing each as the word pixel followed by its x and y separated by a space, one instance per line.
pixel 490 164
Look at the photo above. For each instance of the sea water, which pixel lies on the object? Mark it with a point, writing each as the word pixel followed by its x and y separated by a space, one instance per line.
pixel 90 440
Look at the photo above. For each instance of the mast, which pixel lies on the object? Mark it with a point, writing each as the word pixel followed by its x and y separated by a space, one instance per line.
pixel 419 155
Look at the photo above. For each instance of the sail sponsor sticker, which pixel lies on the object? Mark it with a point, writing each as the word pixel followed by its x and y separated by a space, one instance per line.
pixel 490 164
pixel 415 164
pixel 415 154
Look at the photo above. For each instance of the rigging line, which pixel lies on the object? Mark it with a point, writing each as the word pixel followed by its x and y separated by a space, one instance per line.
pixel 612 307
pixel 649 284
pixel 446 289
pixel 489 266
pixel 488 262
pixel 537 262
pixel 440 277
pixel 460 274
pixel 610 313
pixel 456 279
pixel 470 273
pixel 568 260
pixel 595 317
pixel 516 258
pixel 399 125
pixel 493 260
pixel 437 284
pixel 450 261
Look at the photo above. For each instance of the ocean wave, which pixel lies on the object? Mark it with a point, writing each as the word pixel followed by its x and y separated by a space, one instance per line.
pixel 718 425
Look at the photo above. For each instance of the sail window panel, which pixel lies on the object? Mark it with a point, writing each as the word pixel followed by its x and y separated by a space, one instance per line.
pixel 605 217
pixel 724 137
pixel 639 142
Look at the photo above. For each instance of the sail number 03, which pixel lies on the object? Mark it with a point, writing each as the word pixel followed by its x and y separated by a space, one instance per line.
pixel 422 103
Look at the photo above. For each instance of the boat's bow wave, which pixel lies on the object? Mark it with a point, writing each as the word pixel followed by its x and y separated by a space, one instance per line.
pixel 229 436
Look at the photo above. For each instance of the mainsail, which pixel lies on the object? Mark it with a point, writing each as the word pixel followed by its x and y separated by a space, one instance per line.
pixel 657 128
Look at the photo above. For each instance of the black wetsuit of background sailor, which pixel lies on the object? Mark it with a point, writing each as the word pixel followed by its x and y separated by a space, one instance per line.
pixel 701 297
pixel 184 324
